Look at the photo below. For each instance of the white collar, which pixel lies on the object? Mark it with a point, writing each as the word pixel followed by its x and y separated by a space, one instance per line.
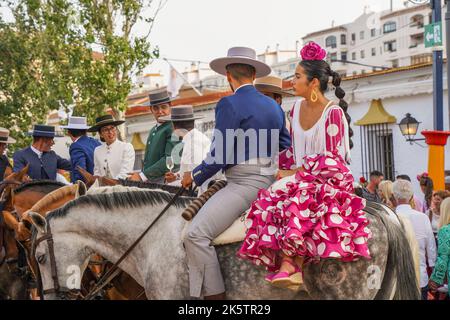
pixel 76 139
pixel 38 152
pixel 244 85
pixel 111 145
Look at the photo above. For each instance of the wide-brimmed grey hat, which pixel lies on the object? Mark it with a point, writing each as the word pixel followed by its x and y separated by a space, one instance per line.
pixel 106 120
pixel 181 113
pixel 4 136
pixel 76 123
pixel 242 55
pixel 158 98
pixel 271 84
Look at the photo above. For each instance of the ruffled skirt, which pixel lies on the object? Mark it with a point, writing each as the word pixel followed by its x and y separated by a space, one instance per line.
pixel 313 214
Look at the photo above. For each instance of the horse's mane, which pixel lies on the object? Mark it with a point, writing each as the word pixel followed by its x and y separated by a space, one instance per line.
pixel 112 189
pixel 45 185
pixel 120 200
pixel 149 185
pixel 54 196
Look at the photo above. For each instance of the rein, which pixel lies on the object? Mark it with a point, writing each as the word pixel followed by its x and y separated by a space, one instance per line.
pixel 106 278
pixel 111 273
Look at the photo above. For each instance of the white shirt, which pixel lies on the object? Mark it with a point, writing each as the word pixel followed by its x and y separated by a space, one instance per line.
pixel 246 84
pixel 195 148
pixel 435 222
pixel 424 236
pixel 313 140
pixel 38 152
pixel 115 161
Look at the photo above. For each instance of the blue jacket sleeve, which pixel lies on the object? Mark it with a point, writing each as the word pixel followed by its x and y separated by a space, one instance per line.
pixel 285 138
pixel 19 161
pixel 78 158
pixel 218 157
pixel 62 163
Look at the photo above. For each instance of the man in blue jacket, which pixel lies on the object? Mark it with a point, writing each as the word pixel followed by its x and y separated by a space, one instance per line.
pixel 248 135
pixel 82 149
pixel 44 163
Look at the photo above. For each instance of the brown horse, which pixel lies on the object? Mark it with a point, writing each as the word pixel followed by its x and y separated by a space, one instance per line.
pixel 17 197
pixel 12 285
pixel 11 182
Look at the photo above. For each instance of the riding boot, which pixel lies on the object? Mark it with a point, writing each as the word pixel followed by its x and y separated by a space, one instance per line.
pixel 220 296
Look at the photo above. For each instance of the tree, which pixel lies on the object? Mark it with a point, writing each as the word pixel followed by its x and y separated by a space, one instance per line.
pixel 70 54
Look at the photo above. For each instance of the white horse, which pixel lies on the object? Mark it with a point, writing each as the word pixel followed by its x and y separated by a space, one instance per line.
pixel 108 224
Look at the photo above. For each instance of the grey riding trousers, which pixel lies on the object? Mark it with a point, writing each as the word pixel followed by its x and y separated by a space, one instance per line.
pixel 244 182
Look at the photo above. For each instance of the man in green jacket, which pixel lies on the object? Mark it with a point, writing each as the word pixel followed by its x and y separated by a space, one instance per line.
pixel 160 142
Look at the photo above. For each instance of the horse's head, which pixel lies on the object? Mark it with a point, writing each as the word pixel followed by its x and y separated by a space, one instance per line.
pixel 11 182
pixel 59 259
pixel 52 201
pixel 19 176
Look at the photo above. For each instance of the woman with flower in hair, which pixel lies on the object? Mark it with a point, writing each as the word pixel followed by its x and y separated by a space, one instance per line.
pixel 312 213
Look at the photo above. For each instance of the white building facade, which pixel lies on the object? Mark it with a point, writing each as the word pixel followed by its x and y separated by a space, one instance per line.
pixel 386 97
pixel 377 40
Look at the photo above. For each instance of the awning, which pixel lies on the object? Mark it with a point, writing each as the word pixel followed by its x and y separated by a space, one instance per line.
pixel 376 115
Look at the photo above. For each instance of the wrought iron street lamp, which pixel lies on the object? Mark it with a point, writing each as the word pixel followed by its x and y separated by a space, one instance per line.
pixel 409 127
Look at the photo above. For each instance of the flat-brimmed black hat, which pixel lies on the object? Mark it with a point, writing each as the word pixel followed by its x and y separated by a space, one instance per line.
pixel 158 98
pixel 181 113
pixel 42 130
pixel 106 120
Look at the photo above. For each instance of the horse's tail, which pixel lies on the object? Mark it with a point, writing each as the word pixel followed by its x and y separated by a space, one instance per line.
pixel 400 258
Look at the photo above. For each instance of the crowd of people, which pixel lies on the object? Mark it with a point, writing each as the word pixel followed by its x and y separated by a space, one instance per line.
pixel 429 214
pixel 313 211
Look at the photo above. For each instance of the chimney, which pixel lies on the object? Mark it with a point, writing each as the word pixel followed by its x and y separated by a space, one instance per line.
pixel 297 46
pixel 267 49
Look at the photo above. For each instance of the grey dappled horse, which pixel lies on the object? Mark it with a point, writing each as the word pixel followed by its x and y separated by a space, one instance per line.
pixel 108 224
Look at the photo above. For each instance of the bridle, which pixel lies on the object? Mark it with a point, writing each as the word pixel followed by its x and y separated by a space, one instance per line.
pixel 61 292
pixel 65 293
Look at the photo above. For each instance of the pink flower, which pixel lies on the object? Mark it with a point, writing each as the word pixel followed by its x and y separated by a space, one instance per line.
pixel 312 51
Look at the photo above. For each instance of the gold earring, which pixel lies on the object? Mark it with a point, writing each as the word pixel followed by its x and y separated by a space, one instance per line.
pixel 314 96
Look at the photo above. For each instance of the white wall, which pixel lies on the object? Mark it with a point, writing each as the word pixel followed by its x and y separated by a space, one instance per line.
pixel 409 159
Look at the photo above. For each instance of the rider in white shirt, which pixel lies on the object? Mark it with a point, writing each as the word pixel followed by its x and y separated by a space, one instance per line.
pixel 114 158
pixel 422 227
pixel 195 145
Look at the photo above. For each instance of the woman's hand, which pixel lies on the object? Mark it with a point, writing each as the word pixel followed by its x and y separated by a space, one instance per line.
pixel 287 173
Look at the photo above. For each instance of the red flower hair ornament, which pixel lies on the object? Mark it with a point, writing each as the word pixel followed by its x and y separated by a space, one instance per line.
pixel 313 51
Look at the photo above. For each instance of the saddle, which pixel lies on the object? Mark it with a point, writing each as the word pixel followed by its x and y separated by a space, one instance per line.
pixel 235 233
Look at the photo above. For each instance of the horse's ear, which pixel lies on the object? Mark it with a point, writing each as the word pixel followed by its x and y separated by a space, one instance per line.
pixel 10 220
pixel 38 221
pixel 23 172
pixel 96 184
pixel 81 190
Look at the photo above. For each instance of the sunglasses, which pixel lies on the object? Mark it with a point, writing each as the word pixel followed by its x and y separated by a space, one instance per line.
pixel 108 129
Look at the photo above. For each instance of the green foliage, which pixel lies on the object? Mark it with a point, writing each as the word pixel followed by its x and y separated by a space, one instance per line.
pixel 49 58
